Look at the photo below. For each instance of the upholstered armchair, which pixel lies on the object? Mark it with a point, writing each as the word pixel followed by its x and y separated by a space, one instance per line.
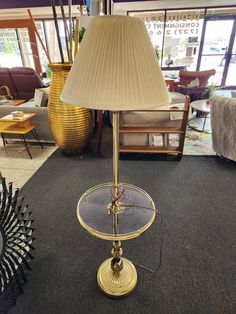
pixel 223 124
pixel 26 80
pixel 21 81
pixel 186 77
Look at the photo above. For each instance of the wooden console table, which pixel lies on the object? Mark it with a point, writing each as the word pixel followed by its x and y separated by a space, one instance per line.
pixel 19 126
pixel 165 131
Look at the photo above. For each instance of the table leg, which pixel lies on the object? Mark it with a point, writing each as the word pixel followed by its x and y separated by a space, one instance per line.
pixel 25 144
pixel 36 137
pixel 204 122
pixel 3 139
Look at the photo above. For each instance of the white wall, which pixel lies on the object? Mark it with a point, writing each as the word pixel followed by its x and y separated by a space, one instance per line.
pixel 37 12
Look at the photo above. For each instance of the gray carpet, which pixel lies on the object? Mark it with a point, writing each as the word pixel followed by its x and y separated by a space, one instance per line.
pixel 197 199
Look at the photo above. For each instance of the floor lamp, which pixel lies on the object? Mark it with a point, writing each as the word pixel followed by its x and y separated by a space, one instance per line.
pixel 116 69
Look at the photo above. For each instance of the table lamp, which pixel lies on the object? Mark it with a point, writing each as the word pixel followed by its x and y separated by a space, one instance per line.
pixel 116 69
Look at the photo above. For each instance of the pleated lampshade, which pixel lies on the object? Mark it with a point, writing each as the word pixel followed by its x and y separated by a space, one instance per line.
pixel 116 68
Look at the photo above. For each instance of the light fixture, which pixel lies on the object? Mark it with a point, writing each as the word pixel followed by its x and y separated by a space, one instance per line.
pixel 116 69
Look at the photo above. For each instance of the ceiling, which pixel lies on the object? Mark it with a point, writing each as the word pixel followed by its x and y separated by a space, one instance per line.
pixel 9 10
pixel 37 12
pixel 10 4
pixel 121 7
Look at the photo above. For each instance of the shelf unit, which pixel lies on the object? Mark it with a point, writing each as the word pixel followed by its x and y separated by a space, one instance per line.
pixel 165 131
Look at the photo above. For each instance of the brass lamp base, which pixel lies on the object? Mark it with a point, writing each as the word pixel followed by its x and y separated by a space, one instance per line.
pixel 117 287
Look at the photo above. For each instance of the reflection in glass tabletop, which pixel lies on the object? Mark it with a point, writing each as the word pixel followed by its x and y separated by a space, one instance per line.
pixel 136 211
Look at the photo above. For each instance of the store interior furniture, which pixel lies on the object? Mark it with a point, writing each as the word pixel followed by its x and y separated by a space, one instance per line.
pixel 21 81
pixel 5 93
pixel 185 79
pixel 223 124
pixel 151 131
pixel 151 119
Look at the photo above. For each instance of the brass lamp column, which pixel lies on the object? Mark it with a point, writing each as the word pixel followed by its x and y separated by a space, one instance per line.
pixel 116 276
pixel 116 69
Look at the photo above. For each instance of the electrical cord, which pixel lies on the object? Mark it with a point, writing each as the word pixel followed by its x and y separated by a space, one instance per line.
pixel 121 196
pixel 154 271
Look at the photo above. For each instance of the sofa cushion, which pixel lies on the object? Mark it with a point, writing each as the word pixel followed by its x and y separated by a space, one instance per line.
pixel 28 104
pixel 25 81
pixel 177 98
pixel 40 97
pixel 145 118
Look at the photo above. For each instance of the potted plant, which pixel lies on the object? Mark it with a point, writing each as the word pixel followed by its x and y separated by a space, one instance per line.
pixel 210 90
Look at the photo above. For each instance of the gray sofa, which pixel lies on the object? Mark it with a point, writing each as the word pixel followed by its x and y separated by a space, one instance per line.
pixel 149 119
pixel 41 119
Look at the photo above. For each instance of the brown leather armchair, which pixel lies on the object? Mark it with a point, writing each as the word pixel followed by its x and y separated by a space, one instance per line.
pixel 25 80
pixel 5 80
pixel 22 81
pixel 186 77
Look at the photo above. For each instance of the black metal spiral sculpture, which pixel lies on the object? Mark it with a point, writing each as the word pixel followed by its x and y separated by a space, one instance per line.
pixel 15 244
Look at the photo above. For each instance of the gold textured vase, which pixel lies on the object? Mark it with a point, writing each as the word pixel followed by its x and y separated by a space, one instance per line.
pixel 71 126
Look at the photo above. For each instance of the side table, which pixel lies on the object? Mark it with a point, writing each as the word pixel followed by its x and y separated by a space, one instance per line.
pixel 203 108
pixel 116 276
pixel 19 126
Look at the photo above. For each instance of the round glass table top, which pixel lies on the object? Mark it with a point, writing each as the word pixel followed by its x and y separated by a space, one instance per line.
pixel 136 211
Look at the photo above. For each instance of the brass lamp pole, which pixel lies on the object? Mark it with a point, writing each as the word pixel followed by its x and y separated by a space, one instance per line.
pixel 116 264
pixel 116 276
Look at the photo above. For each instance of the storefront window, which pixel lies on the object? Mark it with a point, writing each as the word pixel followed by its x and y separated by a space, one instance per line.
pixel 182 38
pixel 26 50
pixel 10 54
pixel 42 55
pixel 231 77
pixel 216 48
pixel 178 35
pixel 154 22
pixel 52 40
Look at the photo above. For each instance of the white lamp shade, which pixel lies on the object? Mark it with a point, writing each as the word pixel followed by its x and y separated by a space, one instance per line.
pixel 116 68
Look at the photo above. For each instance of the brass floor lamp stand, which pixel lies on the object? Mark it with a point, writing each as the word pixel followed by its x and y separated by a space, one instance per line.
pixel 117 276
pixel 116 211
